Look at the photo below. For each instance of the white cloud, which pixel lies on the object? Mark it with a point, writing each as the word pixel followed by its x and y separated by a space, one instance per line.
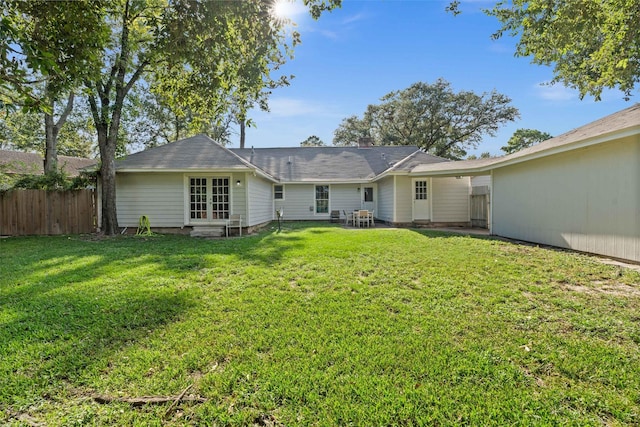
pixel 555 92
pixel 354 18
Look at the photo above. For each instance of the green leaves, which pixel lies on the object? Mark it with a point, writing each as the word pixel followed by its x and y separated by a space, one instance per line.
pixel 431 116
pixel 57 42
pixel 523 138
pixel 592 45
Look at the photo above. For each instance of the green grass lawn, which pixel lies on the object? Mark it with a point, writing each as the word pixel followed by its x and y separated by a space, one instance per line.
pixel 315 325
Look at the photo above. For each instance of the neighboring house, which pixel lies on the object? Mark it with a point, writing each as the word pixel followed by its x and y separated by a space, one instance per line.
pixel 20 163
pixel 197 182
pixel 579 190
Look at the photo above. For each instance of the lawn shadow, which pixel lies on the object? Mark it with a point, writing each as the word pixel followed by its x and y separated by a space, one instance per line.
pixel 67 305
pixel 70 305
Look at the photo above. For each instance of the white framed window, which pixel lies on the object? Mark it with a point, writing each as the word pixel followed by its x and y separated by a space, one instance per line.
pixel 421 190
pixel 209 198
pixel 278 192
pixel 322 199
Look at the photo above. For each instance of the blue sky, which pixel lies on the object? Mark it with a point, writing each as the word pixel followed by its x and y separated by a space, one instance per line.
pixel 354 55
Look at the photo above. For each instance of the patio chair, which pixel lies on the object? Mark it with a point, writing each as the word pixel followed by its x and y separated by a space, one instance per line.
pixel 363 217
pixel 335 216
pixel 348 218
pixel 234 220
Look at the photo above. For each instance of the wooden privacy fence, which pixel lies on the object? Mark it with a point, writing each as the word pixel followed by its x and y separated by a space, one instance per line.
pixel 480 206
pixel 29 212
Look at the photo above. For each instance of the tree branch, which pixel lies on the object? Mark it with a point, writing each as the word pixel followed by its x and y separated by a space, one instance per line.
pixel 63 118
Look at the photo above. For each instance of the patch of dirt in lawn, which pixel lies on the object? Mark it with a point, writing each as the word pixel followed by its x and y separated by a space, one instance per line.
pixel 607 288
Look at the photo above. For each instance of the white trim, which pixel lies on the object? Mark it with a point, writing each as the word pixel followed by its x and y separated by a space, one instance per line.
pixel 315 200
pixel 490 225
pixel 395 199
pixel 187 198
pixel 246 201
pixel 199 171
pixel 413 197
pixel 514 159
pixel 274 192
pixel 374 195
pixel 430 197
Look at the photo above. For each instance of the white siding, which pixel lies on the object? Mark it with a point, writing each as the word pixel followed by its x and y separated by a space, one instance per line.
pixel 587 199
pixel 404 199
pixel 385 199
pixel 160 196
pixel 260 200
pixel 345 197
pixel 298 202
pixel 450 199
pixel 238 195
pixel 481 180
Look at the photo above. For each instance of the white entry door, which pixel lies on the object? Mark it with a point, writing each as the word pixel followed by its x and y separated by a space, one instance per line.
pixel 368 201
pixel 421 209
pixel 209 199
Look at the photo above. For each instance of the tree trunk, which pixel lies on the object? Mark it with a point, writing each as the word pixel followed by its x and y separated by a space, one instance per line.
pixel 108 182
pixel 51 140
pixel 107 116
pixel 242 132
pixel 51 131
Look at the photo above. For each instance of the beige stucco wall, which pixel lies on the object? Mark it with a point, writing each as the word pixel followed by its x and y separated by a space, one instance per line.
pixel 587 199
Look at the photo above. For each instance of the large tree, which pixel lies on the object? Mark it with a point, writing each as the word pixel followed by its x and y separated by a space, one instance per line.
pixel 433 117
pixel 25 130
pixel 202 55
pixel 313 141
pixel 523 138
pixel 592 45
pixel 52 46
pixel 155 122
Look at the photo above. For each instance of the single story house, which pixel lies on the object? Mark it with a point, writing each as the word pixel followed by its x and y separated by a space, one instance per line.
pixel 196 182
pixel 579 190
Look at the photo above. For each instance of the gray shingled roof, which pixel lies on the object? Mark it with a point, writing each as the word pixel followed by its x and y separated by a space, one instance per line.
pixel 198 152
pixel 307 164
pixel 290 164
pixel 19 163
pixel 625 120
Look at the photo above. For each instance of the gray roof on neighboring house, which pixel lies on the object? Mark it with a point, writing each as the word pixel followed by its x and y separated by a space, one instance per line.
pixel 318 164
pixel 20 163
pixel 601 130
pixel 198 152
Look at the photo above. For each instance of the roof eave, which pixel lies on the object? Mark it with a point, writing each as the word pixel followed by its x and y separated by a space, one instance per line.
pixel 501 162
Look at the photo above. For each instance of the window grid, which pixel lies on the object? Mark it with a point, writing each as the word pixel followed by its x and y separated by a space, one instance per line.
pixel 278 192
pixel 421 190
pixel 322 199
pixel 198 191
pixel 220 197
